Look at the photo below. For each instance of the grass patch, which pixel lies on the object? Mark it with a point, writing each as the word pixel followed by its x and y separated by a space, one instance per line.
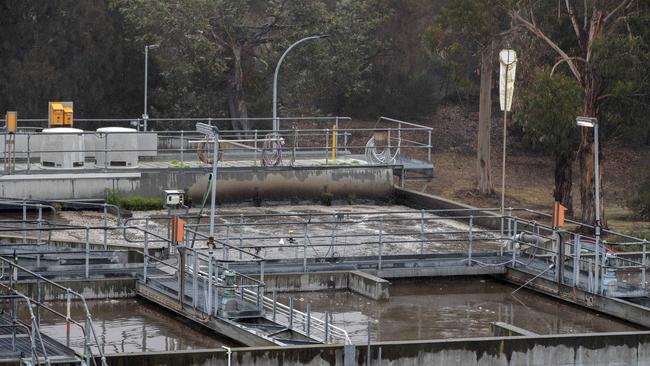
pixel 134 203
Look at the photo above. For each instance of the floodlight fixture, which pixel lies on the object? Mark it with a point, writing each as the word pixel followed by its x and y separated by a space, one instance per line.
pixel 586 121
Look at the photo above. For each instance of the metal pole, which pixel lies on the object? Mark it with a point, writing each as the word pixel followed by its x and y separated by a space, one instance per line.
pixel 469 252
pixel 146 251
pixel 210 270
pixel 422 231
pixel 146 72
pixel 291 313
pixel 241 233
pixel 24 221
pixel 643 264
pixel 503 161
pixel 308 326
pixel 213 194
pixel 381 244
pixel 597 203
pixel 368 350
pixel 576 260
pixel 327 326
pixel 105 226
pixel 182 149
pixel 87 250
pixel 274 305
pixel 276 121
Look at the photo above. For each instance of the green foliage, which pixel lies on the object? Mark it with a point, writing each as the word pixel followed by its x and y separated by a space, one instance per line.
pixel 326 198
pixel 134 203
pixel 546 112
pixel 352 199
pixel 640 202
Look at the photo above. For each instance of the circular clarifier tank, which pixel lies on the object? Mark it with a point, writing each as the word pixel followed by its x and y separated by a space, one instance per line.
pixel 117 147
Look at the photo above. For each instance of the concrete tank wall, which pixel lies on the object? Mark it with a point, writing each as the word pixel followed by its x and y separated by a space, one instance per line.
pixel 577 349
pixel 233 185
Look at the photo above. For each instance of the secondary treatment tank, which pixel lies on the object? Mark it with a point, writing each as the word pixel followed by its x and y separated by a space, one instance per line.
pixel 116 147
pixel 62 148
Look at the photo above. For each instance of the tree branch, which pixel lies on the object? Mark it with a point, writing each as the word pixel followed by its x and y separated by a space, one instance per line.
pixel 620 7
pixel 571 9
pixel 538 32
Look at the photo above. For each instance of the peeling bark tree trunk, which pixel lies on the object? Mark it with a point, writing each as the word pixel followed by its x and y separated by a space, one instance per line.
pixel 564 181
pixel 586 151
pixel 483 161
pixel 236 101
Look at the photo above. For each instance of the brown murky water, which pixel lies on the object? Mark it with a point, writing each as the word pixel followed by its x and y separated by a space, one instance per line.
pixel 131 325
pixel 452 308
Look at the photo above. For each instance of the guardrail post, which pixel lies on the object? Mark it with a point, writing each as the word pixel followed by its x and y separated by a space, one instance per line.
pixel 304 251
pixel 241 233
pixel 470 233
pixel 255 150
pixel 643 264
pixel 210 270
pixel 399 141
pixel 145 260
pixel 290 312
pixel 429 147
pixel 105 226
pixel 327 327
pixel 24 221
pixel 29 152
pixel 40 223
pixel 68 303
pixel 182 150
pixel 509 220
pixel 590 283
pixel 381 243
pixel 576 259
pixel 87 250
pixel 327 144
pixel 225 246
pixel 308 325
pixel 106 150
pixel 422 232
pixel 195 278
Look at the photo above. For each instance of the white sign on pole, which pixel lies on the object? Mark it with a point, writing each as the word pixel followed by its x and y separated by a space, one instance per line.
pixel 508 66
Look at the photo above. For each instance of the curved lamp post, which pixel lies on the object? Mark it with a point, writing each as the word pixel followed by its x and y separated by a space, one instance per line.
pixel 276 122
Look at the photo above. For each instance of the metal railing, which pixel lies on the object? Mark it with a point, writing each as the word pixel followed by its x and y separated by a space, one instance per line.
pixel 340 142
pixel 10 275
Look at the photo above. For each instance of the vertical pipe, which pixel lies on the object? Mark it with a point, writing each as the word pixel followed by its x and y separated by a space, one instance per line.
pixel 40 223
pixel 87 250
pixel 399 141
pixel 106 149
pixel 105 226
pixel 304 254
pixel 597 213
pixel 227 244
pixel 213 194
pixel 590 283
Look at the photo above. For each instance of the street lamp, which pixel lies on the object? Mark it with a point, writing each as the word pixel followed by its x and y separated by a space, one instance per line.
pixel 276 122
pixel 145 116
pixel 592 122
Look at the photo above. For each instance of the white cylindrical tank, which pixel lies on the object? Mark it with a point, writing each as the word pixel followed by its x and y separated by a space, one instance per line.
pixel 62 148
pixel 116 147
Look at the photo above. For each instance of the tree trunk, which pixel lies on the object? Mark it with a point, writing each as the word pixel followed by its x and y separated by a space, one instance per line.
pixel 483 162
pixel 586 151
pixel 236 101
pixel 564 181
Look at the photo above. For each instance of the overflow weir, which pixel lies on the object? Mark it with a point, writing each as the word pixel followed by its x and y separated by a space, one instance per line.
pixel 243 278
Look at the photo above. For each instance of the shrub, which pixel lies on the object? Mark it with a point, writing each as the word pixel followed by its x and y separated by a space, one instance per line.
pixel 134 203
pixel 326 198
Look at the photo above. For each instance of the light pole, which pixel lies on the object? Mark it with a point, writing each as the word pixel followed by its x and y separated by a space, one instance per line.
pixel 211 131
pixel 508 65
pixel 276 122
pixel 592 122
pixel 145 116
